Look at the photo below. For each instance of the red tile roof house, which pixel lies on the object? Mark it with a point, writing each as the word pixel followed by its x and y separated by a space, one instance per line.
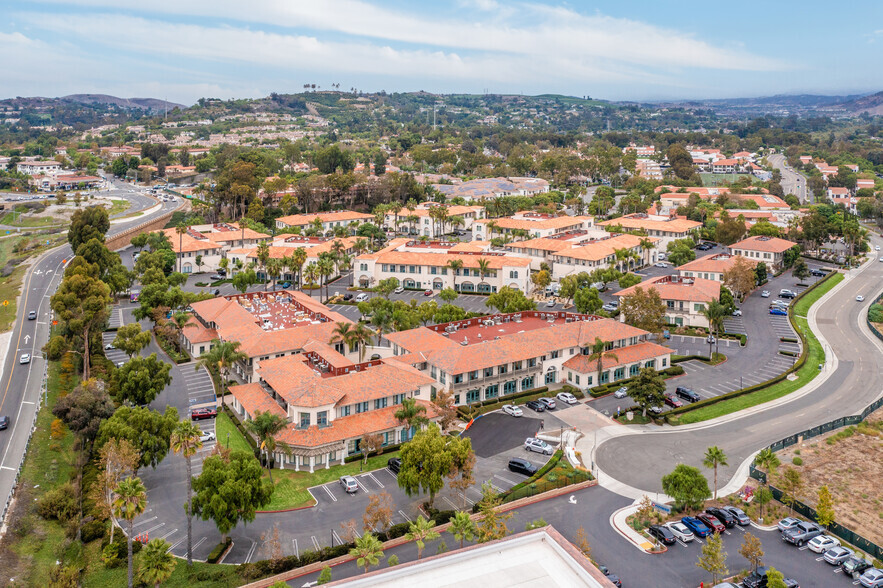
pixel 496 356
pixel 331 403
pixel 709 267
pixel 770 250
pixel 684 298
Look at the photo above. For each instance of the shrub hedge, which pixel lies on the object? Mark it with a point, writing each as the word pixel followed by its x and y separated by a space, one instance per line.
pixel 358 456
pixel 475 409
pixel 604 389
pixel 218 551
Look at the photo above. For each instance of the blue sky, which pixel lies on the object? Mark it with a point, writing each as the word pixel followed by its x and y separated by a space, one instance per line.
pixel 623 50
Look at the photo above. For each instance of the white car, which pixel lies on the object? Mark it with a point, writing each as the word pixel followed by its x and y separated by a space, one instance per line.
pixel 737 312
pixel 621 393
pixel 109 346
pixel 548 402
pixel 550 304
pixel 822 543
pixel 566 397
pixel 660 264
pixel 349 484
pixel 681 531
pixel 876 248
pixel 512 410
pixel 765 294
pixel 399 290
pixel 25 358
pixel 207 436
pixel 538 445
pixel 859 298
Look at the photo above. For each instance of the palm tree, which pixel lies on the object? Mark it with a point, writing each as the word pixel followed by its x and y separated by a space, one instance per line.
pixel 484 266
pixel 298 258
pixel 360 246
pixel 221 357
pixel 130 501
pixel 455 265
pixel 185 440
pixel 714 456
pixel 368 551
pixel 224 264
pixel 491 227
pixel 715 313
pixel 421 531
pixel 646 245
pixel 181 229
pixel 462 527
pixel 343 333
pixel 766 460
pixel 155 563
pixel 263 255
pixel 326 270
pixel 362 336
pixel 274 270
pixel 265 426
pixel 311 273
pixel 599 353
pixel 411 413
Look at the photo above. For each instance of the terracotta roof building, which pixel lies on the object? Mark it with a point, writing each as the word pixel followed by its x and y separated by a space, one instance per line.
pixel 425 226
pixel 667 228
pixel 770 250
pixel 709 267
pixel 328 220
pixel 684 298
pixel 210 243
pixel 536 224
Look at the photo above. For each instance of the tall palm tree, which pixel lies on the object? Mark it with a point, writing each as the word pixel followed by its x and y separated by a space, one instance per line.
pixel 715 456
pixel 715 312
pixel 274 270
pixel 462 527
pixel 298 258
pixel 455 265
pixel 360 246
pixel 368 551
pixel 181 229
pixel 311 273
pixel 185 440
pixel 342 333
pixel 767 460
pixel 421 531
pixel 326 270
pixel 130 501
pixel 263 255
pixel 491 227
pixel 599 353
pixel 362 336
pixel 221 357
pixel 484 266
pixel 155 563
pixel 265 426
pixel 411 413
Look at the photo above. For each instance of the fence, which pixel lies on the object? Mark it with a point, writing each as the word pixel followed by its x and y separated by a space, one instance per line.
pixel 835 529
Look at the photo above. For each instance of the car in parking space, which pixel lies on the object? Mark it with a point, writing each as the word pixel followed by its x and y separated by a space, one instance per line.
pixel 872 578
pixel 801 533
pixel 672 401
pixel 859 298
pixel 657 410
pixel 32 315
pixel 566 397
pixel 349 484
pixel 216 277
pixel 109 346
pixel 787 523
pixel 711 522
pixel 203 413
pixel 876 248
pixel 660 264
pixel 361 297
pixel 348 296
pixel 538 446
pixel 614 579
pixel 621 392
pixel 687 394
pixel 822 543
pixel 286 285
pixel 724 516
pixel 817 273
pixel 785 293
pixel 399 290
pixel 207 436
pixel 427 292
pixel 4 422
pixel 535 405
pixel 121 363
pixel 765 294
pixel 662 533
pixel 681 531
pixel 610 307
pixel 758 579
pixel 837 555
pixel 778 311
pixel 737 312
pixel 512 410
pixel 394 464
pixel 25 358
pixel 522 466
pixel 548 402
pixel 739 514
pixel 855 566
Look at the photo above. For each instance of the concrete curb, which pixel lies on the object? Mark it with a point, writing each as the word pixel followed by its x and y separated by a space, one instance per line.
pixel 619 524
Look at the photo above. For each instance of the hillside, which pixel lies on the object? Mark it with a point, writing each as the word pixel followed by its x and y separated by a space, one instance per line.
pixel 150 104
pixel 872 104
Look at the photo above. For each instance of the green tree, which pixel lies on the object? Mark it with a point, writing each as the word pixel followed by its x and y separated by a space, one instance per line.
pixel 643 309
pixel 587 300
pixel 368 551
pixel 628 280
pixel 681 251
pixel 714 457
pixel 455 266
pixel 411 413
pixel 775 578
pixel 130 501
pixel 243 280
pixel 84 409
pixel 140 380
pixel 540 280
pixel 647 389
pixel 491 522
pixel 715 312
pixel 186 440
pixel 88 223
pixel 324 576
pixel 81 304
pixel 687 486
pixel 220 358
pixel 599 353
pixel 462 527
pixel 791 484
pixel 760 273
pixel 230 490
pixel 800 271
pixel 422 531
pixel 768 461
pixel 740 278
pixel 387 286
pixel 448 295
pixel 713 558
pixel 147 430
pixel 155 563
pixel 752 550
pixel 426 459
pixel 825 514
pixel 507 300
pixel 265 426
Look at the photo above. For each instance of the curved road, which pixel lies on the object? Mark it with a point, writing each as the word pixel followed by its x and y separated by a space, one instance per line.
pixel 634 458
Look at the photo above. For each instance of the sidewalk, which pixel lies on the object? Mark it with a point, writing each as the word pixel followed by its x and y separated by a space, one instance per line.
pixel 618 522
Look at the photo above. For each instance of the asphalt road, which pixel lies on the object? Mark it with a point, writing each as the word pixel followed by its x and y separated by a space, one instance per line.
pixel 792 182
pixel 639 459
pixel 22 383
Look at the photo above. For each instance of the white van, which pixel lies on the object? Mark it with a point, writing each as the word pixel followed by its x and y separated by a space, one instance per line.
pixel 362 297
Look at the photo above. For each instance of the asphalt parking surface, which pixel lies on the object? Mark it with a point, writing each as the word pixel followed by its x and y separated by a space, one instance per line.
pixel 498 432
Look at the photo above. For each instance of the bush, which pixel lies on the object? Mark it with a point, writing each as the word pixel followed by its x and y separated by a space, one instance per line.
pixel 116 554
pixel 93 530
pixel 59 503
pixel 875 313
pixel 218 551
pixel 55 348
pixel 797 461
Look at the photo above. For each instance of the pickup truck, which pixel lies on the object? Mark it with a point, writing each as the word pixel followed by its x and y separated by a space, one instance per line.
pixel 801 533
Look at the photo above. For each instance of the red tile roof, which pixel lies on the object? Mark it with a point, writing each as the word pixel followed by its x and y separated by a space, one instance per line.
pixel 673 288
pixel 624 355
pixel 254 398
pixel 765 244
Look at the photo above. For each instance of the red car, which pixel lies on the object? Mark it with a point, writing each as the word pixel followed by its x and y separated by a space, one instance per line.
pixel 711 522
pixel 203 413
pixel 427 292
pixel 672 401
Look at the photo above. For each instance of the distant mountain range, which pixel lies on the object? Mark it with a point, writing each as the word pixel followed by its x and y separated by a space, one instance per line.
pixel 150 104
pixel 870 103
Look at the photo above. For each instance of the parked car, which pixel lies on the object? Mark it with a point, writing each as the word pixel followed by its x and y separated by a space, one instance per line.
pixel 512 410
pixel 817 273
pixel 32 315
pixel 837 555
pixel 681 531
pixel 286 285
pixel 535 405
pixel 522 466
pixel 822 543
pixel 207 436
pixel 783 303
pixel 216 277
pixel 778 310
pixel 614 579
pixel 4 422
pixel 698 527
pixel 687 394
pixel 203 413
pixel 394 464
pixel 872 578
pixel 660 264
pixel 787 523
pixel 724 516
pixel 656 410
pixel 758 579
pixel 801 533
pixel 538 445
pixel 550 304
pixel 662 533
pixel 25 358
pixel 349 484
pixel 548 402
pixel 785 293
pixel 672 401
pixel 856 566
pixel 399 290
pixel 427 292
pixel 347 296
pixel 765 294
pixel 737 312
pixel 621 392
pixel 109 346
pixel 711 522
pixel 739 514
pixel 566 397
pixel 361 297
pixel 610 307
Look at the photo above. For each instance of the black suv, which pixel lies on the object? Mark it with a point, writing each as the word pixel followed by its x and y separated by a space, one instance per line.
pixel 759 579
pixel 394 464
pixel 817 273
pixel 662 533
pixel 522 466
pixel 535 405
pixel 724 516
pixel 687 394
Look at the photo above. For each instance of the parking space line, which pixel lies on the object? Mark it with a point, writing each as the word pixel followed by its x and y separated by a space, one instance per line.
pixel 448 500
pixel 466 498
pixel 376 481
pixel 407 518
pixel 172 532
pixel 315 542
pixel 337 537
pixel 333 497
pixel 144 521
pixel 296 550
pixel 362 486
pixel 508 481
pixel 494 486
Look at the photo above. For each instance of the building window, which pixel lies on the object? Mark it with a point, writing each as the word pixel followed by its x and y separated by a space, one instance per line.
pixel 442 377
pixel 589 380
pixel 532 362
pixel 322 418
pixel 509 388
pixel 473 396
pixel 650 364
pixel 577 379
pixel 458 378
pixel 555 354
pixel 488 372
pixel 605 377
pixel 304 419
pixel 698 307
pixel 569 376
pixel 432 372
pixel 513 274
pixel 345 411
pixel 670 304
pixel 492 391
pixel 516 365
pixel 473 375
pixel 398 398
pixel 502 369
pixel 527 383
pixel 664 361
pixel 364 267
pixel 379 403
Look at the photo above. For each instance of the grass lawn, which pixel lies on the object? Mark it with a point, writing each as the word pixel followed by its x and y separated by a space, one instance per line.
pixel 809 370
pixel 117 206
pixel 18 220
pixel 291 486
pixel 10 287
pixel 223 426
